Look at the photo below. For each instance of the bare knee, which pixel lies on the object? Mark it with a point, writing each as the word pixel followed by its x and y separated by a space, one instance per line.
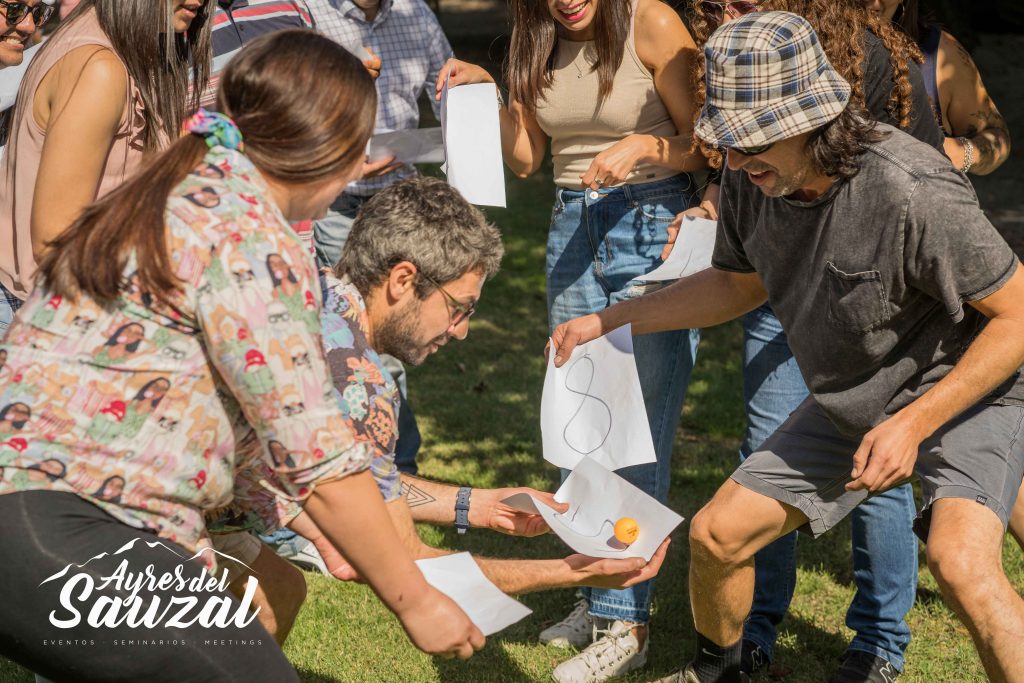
pixel 959 569
pixel 713 540
pixel 280 592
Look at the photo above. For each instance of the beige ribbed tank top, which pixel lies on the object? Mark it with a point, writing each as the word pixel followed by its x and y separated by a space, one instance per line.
pixel 581 126
pixel 18 178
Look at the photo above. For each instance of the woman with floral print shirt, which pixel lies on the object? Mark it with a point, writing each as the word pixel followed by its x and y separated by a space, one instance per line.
pixel 180 297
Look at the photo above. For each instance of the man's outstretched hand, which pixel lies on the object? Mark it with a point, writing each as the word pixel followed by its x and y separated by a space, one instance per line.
pixel 606 573
pixel 487 511
pixel 568 336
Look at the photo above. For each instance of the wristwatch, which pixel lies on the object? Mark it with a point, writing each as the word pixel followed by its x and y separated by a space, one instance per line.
pixel 462 509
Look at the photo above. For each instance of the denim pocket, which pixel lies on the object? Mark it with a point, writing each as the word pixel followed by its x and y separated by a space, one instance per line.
pixel 856 301
pixel 558 207
pixel 655 211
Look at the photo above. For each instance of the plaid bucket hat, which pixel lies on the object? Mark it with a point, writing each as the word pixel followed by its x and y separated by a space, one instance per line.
pixel 767 79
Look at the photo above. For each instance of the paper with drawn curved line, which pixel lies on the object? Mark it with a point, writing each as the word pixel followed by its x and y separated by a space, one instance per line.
pixel 598 498
pixel 691 252
pixel 459 577
pixel 593 406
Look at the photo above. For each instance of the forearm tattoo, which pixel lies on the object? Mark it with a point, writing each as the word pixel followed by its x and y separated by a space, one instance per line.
pixel 415 496
pixel 990 136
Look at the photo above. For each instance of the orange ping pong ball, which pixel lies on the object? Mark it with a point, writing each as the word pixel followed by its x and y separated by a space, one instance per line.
pixel 626 530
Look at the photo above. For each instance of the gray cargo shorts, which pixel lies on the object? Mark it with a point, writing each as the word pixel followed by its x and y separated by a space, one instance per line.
pixel 806 464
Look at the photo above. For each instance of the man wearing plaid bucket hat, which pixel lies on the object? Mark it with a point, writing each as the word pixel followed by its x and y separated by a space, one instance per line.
pixel 905 311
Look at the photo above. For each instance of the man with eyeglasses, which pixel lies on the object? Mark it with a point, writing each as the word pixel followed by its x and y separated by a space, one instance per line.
pixel 408 282
pixel 905 312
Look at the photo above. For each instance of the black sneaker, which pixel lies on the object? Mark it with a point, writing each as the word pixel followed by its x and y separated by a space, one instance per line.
pixel 753 659
pixel 863 667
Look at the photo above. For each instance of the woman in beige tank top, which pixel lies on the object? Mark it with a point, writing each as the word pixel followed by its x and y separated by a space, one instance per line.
pixel 608 83
pixel 100 94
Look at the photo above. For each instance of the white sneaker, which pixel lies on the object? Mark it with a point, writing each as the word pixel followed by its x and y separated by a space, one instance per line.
pixel 615 653
pixel 576 630
pixel 303 553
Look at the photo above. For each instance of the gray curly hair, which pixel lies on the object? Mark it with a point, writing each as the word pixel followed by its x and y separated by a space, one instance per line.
pixel 424 221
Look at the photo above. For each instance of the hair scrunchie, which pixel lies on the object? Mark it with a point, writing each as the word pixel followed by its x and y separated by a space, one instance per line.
pixel 216 129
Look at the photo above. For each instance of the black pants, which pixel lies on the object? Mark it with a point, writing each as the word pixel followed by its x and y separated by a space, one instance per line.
pixel 42 532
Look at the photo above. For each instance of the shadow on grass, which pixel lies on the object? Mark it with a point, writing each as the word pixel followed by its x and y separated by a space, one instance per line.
pixel 307 676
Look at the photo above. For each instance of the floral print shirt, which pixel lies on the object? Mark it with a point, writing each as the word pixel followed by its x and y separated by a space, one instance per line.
pixel 369 403
pixel 141 408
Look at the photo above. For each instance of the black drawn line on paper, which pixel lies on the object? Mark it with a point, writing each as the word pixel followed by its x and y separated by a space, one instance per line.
pixel 586 395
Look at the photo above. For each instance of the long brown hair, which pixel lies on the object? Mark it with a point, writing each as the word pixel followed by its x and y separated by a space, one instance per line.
pixel 531 52
pixel 162 63
pixel 305 108
pixel 913 22
pixel 840 26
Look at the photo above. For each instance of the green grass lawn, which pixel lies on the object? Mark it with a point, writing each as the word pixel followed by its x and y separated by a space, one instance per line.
pixel 478 404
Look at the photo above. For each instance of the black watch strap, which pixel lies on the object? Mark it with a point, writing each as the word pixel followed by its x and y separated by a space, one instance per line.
pixel 462 509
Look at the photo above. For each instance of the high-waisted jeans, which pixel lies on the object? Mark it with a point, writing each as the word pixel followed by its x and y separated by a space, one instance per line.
pixel 599 242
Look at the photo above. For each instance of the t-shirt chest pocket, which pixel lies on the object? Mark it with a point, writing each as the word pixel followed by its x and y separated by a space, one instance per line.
pixel 856 301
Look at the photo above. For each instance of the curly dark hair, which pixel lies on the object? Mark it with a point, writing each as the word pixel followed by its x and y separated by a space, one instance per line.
pixel 835 148
pixel 840 26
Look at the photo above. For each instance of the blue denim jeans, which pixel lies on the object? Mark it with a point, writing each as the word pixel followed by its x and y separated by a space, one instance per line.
pixel 884 546
pixel 599 242
pixel 329 236
pixel 9 305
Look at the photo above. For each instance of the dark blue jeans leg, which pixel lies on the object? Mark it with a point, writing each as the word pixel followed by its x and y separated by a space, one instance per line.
pixel 772 389
pixel 884 547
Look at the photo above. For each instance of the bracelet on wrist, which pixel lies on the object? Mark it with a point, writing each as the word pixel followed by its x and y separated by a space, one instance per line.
pixel 968 146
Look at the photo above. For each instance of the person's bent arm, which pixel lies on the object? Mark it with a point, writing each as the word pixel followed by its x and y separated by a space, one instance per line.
pixel 888 452
pixel 351 514
pixel 522 140
pixel 970 110
pixel 707 209
pixel 83 101
pixel 704 299
pixel 665 47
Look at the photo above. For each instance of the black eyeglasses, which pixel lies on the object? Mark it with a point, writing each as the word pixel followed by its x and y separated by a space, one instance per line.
pixel 16 11
pixel 750 151
pixel 462 311
pixel 716 9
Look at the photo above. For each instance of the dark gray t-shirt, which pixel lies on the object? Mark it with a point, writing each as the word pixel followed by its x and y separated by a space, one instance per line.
pixel 870 279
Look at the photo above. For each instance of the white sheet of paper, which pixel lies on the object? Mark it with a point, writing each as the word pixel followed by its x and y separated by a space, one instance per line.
pixel 459 577
pixel 597 499
pixel 472 142
pixel 593 406
pixel 691 253
pixel 415 146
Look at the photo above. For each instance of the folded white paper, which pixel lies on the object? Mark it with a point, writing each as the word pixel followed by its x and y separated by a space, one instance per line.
pixel 472 142
pixel 597 499
pixel 691 252
pixel 415 146
pixel 593 406
pixel 459 577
